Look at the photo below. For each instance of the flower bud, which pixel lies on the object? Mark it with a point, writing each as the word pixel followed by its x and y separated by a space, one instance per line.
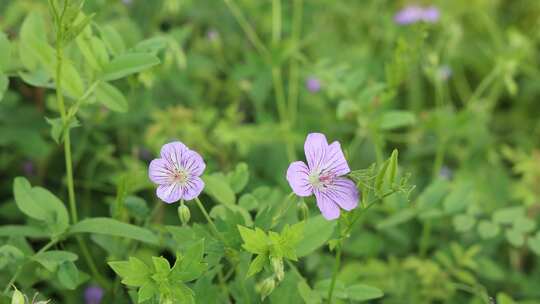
pixel 17 298
pixel 277 266
pixel 266 287
pixel 184 214
pixel 302 211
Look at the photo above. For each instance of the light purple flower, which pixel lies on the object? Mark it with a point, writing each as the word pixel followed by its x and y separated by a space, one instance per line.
pixel 313 84
pixel 177 173
pixel 445 72
pixel 212 35
pixel 29 168
pixel 93 294
pixel 414 13
pixel 446 173
pixel 324 176
pixel 127 2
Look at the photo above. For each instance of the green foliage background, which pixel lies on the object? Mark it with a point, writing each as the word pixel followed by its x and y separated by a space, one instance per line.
pixel 458 98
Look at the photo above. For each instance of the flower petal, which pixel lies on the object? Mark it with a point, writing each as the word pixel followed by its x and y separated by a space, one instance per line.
pixel 334 160
pixel 328 207
pixel 315 148
pixel 344 193
pixel 193 163
pixel 193 188
pixel 173 153
pixel 298 178
pixel 170 193
pixel 160 172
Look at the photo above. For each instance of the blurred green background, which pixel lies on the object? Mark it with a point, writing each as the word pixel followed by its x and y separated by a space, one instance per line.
pixel 458 96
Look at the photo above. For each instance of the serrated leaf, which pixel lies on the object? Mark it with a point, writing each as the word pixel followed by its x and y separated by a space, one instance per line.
pixel 133 272
pixel 238 178
pixel 257 264
pixel 255 241
pixel 147 291
pixel 190 266
pixel 317 231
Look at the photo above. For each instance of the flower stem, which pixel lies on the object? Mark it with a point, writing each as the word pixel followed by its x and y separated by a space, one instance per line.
pixel 209 220
pixel 337 264
pixel 246 27
pixel 294 66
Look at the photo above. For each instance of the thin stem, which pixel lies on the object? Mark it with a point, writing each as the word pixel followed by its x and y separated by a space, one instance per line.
pixel 337 264
pixel 439 158
pixel 209 220
pixel 484 84
pixel 19 269
pixel 246 27
pixel 276 22
pixel 424 241
pixel 294 67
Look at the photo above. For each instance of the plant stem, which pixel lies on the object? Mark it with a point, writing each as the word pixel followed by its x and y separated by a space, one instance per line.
pixel 67 145
pixel 424 241
pixel 246 27
pixel 209 220
pixel 19 269
pixel 337 264
pixel 294 66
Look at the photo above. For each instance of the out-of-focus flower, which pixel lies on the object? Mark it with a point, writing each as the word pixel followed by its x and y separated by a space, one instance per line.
pixel 177 173
pixel 212 35
pixel 445 72
pixel 93 294
pixel 29 168
pixel 313 84
pixel 127 2
pixel 414 13
pixel 144 154
pixel 324 176
pixel 446 173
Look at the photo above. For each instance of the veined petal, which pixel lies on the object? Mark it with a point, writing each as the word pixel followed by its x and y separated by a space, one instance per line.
pixel 193 188
pixel 160 171
pixel 327 206
pixel 170 193
pixel 343 192
pixel 334 160
pixel 193 163
pixel 298 178
pixel 315 148
pixel 173 153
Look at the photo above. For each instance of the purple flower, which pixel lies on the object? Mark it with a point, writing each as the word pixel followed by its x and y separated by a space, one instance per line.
pixel 313 84
pixel 212 35
pixel 144 154
pixel 29 168
pixel 177 173
pixel 413 13
pixel 324 176
pixel 93 294
pixel 445 72
pixel 127 2
pixel 446 173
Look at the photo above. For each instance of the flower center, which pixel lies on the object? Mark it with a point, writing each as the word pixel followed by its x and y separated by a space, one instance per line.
pixel 321 180
pixel 180 176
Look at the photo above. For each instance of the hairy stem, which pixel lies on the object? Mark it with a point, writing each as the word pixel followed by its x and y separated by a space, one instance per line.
pixel 337 264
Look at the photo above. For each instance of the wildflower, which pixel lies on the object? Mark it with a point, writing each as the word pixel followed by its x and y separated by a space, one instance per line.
pixel 177 173
pixel 144 154
pixel 127 2
pixel 413 13
pixel 93 294
pixel 445 72
pixel 446 173
pixel 29 168
pixel 313 84
pixel 212 35
pixel 324 176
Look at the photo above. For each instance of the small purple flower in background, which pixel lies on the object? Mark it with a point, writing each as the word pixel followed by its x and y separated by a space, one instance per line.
pixel 212 35
pixel 29 168
pixel 413 13
pixel 93 294
pixel 144 154
pixel 324 176
pixel 446 173
pixel 177 173
pixel 445 72
pixel 313 84
pixel 127 2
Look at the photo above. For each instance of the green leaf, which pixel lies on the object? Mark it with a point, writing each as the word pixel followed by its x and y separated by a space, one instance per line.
pixel 53 258
pixel 24 231
pixel 33 48
pixel 218 188
pixel 248 202
pixel 4 83
pixel 524 224
pixel 111 97
pixel 397 218
pixel 508 215
pixel 463 222
pixel 161 265
pixel 308 295
pixel 257 264
pixel 147 291
pixel 534 243
pixel 108 226
pixel 515 237
pixel 488 229
pixel 361 292
pixel 190 266
pixel 57 128
pixel 10 255
pixel 5 52
pixel 397 119
pixel 133 272
pixel 393 167
pixel 17 297
pixel 40 204
pixel 74 30
pixel 458 198
pixel 289 238
pixel 379 180
pixel 317 231
pixel 68 275
pixel 152 45
pixel 255 241
pixel 128 64
pixel 113 40
pixel 238 178
pixel 503 298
